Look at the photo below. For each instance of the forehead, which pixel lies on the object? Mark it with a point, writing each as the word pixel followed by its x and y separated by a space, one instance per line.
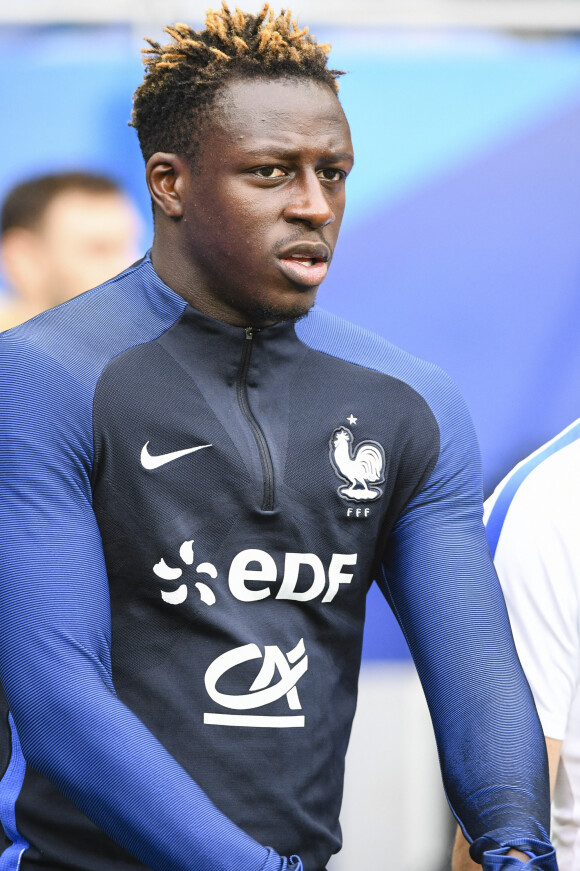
pixel 285 111
pixel 77 210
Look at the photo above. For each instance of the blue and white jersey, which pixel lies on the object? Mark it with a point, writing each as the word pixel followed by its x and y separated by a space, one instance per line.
pixel 192 515
pixel 533 521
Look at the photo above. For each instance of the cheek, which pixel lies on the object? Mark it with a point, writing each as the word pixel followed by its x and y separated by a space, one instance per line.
pixel 246 232
pixel 68 265
pixel 338 205
pixel 228 228
pixel 249 218
pixel 218 224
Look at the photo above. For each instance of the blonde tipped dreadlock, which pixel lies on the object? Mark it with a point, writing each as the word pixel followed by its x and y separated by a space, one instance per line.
pixel 183 77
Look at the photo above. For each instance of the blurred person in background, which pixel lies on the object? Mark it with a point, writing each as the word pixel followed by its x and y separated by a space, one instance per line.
pixel 532 522
pixel 61 234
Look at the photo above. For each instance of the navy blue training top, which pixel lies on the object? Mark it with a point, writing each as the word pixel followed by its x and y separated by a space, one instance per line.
pixel 192 514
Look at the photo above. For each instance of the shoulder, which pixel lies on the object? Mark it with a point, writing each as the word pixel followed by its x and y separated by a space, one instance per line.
pixel 532 531
pixel 541 494
pixel 436 416
pixel 329 334
pixel 76 340
pixel 50 365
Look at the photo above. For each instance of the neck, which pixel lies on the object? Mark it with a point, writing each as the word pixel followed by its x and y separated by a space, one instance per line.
pixel 177 271
pixel 183 277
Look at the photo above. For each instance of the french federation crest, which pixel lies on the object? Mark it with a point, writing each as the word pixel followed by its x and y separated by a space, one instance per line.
pixel 359 466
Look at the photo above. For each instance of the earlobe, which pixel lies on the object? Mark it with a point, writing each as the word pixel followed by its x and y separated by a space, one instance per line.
pixel 166 178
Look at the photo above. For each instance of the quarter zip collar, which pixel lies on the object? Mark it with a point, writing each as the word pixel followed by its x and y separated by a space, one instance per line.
pixel 159 292
pixel 253 423
pixel 243 372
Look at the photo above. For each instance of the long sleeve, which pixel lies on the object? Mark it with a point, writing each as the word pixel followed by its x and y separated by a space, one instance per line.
pixel 440 579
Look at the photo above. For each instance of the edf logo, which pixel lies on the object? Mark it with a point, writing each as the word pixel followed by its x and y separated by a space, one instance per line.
pixel 267 573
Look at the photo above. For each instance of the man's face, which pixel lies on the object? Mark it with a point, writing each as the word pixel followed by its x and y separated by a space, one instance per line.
pixel 264 199
pixel 84 239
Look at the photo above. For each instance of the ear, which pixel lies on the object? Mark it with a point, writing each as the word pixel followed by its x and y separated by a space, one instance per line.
pixel 24 264
pixel 167 176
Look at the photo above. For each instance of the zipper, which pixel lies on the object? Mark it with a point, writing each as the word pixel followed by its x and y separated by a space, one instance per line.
pixel 243 402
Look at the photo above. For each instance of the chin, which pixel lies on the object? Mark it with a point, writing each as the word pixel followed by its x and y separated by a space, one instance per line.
pixel 265 313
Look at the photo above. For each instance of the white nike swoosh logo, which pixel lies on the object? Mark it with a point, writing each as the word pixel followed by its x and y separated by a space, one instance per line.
pixel 150 462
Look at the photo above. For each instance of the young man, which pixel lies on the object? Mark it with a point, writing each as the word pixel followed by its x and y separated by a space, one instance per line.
pixel 201 479
pixel 532 527
pixel 61 234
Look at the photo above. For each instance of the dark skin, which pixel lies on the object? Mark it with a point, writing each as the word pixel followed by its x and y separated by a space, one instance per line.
pixel 246 230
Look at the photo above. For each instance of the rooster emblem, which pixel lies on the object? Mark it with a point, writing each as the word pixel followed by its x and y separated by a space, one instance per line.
pixel 359 467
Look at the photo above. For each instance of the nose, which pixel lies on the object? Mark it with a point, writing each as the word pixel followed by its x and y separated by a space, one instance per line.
pixel 309 203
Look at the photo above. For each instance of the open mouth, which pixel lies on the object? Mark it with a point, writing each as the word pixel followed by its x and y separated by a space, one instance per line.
pixel 308 268
pixel 305 261
pixel 306 271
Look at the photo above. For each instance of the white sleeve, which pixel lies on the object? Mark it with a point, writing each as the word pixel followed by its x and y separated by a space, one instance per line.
pixel 538 562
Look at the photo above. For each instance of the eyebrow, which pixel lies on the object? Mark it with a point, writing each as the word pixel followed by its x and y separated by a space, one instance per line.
pixel 276 152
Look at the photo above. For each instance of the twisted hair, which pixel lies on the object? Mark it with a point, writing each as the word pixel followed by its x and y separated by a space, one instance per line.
pixel 183 77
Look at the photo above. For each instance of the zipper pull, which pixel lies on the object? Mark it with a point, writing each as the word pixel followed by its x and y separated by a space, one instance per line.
pixel 249 333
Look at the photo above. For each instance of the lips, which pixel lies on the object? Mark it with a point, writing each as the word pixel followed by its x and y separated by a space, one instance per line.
pixel 305 263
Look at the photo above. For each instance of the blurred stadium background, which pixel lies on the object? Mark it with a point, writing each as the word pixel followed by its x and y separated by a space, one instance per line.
pixel 461 243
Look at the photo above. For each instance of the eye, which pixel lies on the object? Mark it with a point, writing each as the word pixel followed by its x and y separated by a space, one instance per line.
pixel 330 174
pixel 270 172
